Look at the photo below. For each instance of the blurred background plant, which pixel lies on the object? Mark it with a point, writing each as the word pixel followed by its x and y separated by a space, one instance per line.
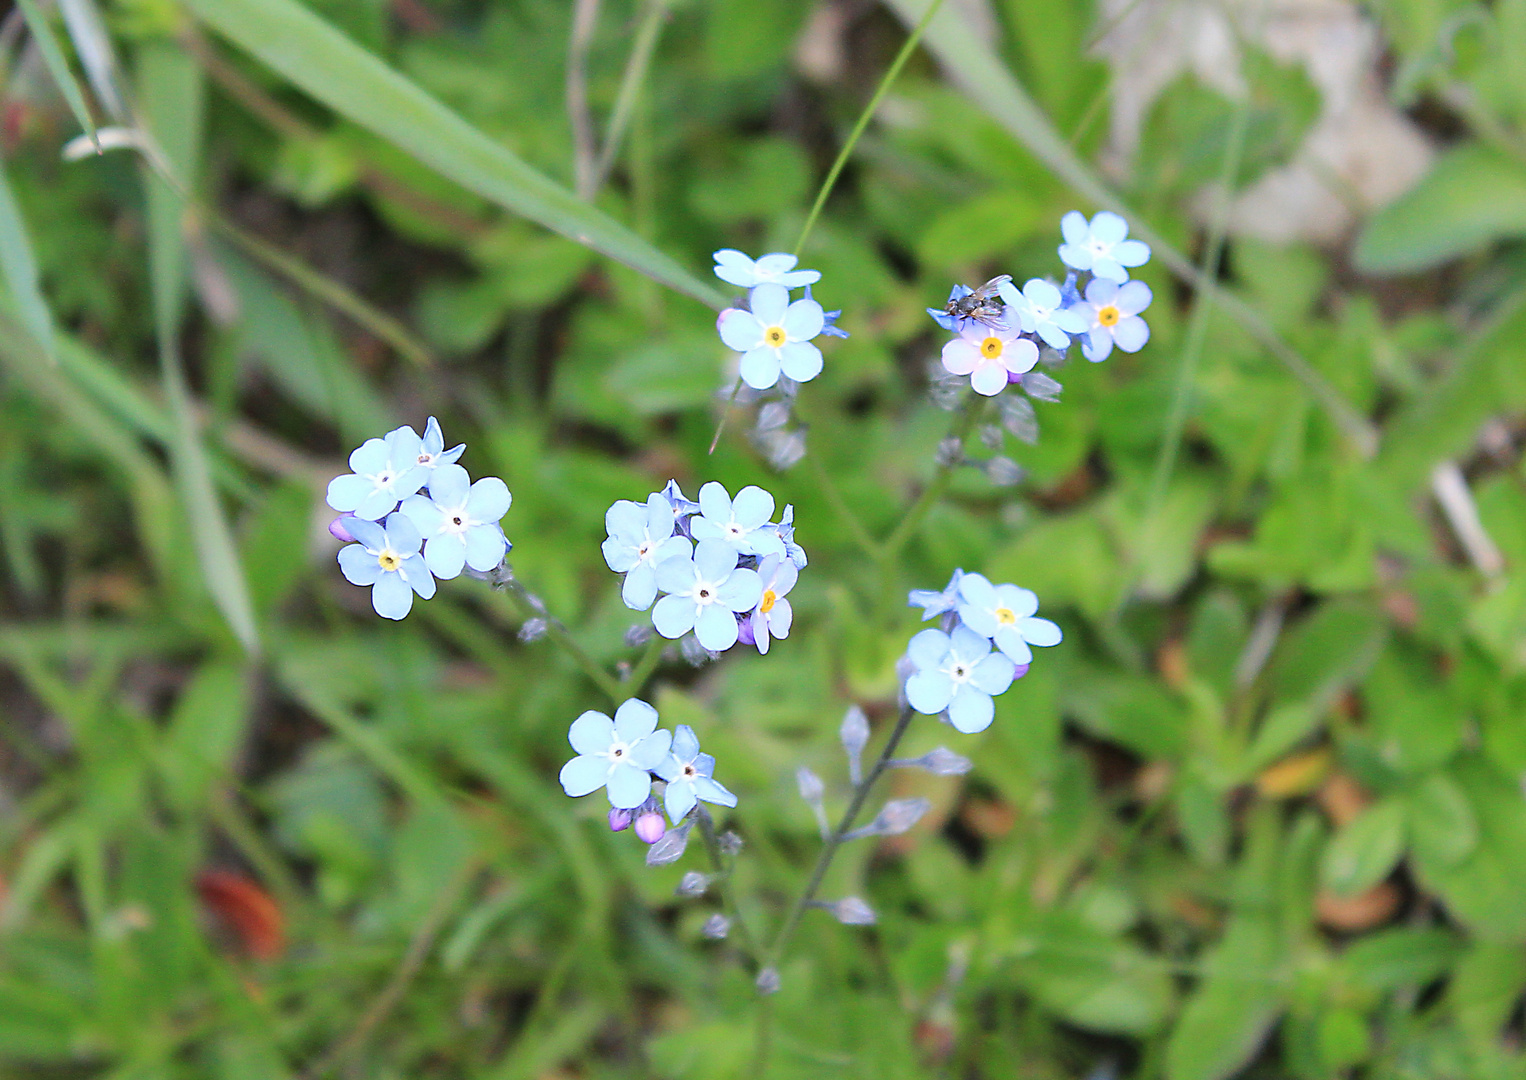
pixel 1261 813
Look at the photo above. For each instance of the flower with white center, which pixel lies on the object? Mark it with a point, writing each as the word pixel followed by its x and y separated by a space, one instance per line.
pixel 957 672
pixel 386 471
pixel 617 755
pixel 459 521
pixel 1039 309
pixel 432 452
pixel 988 355
pixel 707 591
pixel 785 531
pixel 690 777
pixel 773 614
pixel 1113 311
pixel 387 558
pixel 934 602
pixel 1005 614
pixel 741 522
pixel 735 268
pixel 640 537
pixel 1101 246
pixel 682 507
pixel 774 337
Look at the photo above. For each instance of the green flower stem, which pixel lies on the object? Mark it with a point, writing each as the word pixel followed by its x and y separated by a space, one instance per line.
pixel 528 608
pixel 963 425
pixel 646 666
pixel 725 884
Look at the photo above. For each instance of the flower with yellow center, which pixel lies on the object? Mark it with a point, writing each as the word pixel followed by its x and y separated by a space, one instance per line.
pixel 989 356
pixel 1112 316
pixel 386 557
pixel 1005 615
pixel 774 336
pixel 773 615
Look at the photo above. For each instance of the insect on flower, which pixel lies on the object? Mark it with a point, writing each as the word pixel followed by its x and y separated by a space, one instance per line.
pixel 982 305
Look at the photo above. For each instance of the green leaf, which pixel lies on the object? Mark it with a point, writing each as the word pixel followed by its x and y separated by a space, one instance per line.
pixel 20 269
pixel 1231 1012
pixel 1472 197
pixel 1092 979
pixel 58 66
pixel 1483 891
pixel 1441 822
pixel 1365 849
pixel 1403 956
pixel 332 68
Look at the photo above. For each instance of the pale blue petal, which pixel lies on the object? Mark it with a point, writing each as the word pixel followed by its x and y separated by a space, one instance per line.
pixel 716 628
pixel 803 320
pixel 584 775
pixel 1010 641
pixel 993 674
pixel 425 515
pixel 679 800
pixel 445 554
pixel 411 480
pixel 764 542
pixel 652 750
pixel 759 368
pixel 451 456
pixel 979 619
pixel 752 507
pixel 970 710
pixel 800 360
pixel 358 565
pixel 796 278
pixel 449 485
pixel 673 547
pixel 404 446
pixel 741 591
pixel 1109 227
pixel 659 517
pixel 739 329
pixel 625 519
pixel 927 649
pixel 1098 345
pixel 1053 336
pixel 1040 293
pixel 403 535
pixel 1074 228
pixel 369 457
pixel 978 590
pixel 619 554
pixel 1109 268
pixel 1132 253
pixel 676 574
pixel 591 733
pixel 416 573
pixel 434 438
pixel 628 786
pixel 969 646
pixel 781 619
pixel 1018 600
pixel 368 533
pixel 770 266
pixel 714 560
pixel 685 743
pixel 929 692
pixel 635 719
pixel 1100 292
pixel 640 587
pixel 1071 321
pixel 714 502
pixel 988 380
pixel 489 499
pixel 485 547
pixel 673 617
pixel 1133 298
pixel 769 302
pixel 1131 333
pixel 391 597
pixel 346 492
pixel 704 764
pixel 376 505
pixel 1040 632
pixel 712 791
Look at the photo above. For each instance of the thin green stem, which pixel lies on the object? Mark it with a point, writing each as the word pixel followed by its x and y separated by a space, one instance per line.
pixel 818 874
pixel 863 122
pixel 974 409
pixel 726 885
pixel 636 66
pixel 715 440
pixel 531 607
pixel 646 666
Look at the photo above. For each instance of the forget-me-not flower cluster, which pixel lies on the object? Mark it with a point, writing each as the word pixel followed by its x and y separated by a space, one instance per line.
pixel 774 334
pixel 1000 326
pixel 414 515
pixel 724 567
pixel 982 644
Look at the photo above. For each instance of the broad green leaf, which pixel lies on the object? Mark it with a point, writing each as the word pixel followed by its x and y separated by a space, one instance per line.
pixel 1092 979
pixel 1485 989
pixel 205 730
pixel 353 82
pixel 1483 891
pixel 1472 197
pixel 1441 823
pixel 1231 1011
pixel 58 66
pixel 172 94
pixel 1403 956
pixel 1365 849
pixel 20 269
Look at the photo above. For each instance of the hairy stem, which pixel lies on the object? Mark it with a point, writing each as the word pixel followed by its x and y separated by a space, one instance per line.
pixel 974 409
pixel 725 884
pixel 646 666
pixel 530 607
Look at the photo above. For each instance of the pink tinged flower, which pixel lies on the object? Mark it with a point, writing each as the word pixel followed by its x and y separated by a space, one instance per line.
pixel 774 337
pixel 988 356
pixel 773 615
pixel 1112 310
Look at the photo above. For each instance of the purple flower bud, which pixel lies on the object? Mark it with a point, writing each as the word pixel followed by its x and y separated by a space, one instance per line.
pixel 339 532
pixel 650 827
pixel 619 820
pixel 744 629
pixel 1022 669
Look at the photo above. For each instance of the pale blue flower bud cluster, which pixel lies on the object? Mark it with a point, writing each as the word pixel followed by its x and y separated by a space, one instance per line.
pixel 404 540
pixel 724 567
pixel 1000 327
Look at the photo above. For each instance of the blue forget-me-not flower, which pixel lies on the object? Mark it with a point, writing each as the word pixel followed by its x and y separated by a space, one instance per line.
pixel 707 591
pixel 690 777
pixel 617 755
pixel 829 319
pixel 1005 614
pixel 785 530
pixel 988 355
pixel 385 472
pixel 432 452
pixel 640 537
pixel 1113 311
pixel 682 507
pixel 773 615
pixel 774 336
pixel 386 557
pixel 1101 246
pixel 735 268
pixel 959 673
pixel 741 522
pixel 934 602
pixel 459 521
pixel 1038 307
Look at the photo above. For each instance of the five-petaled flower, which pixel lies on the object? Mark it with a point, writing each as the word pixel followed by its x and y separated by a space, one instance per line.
pixel 935 602
pixel 1101 246
pixel 1005 614
pixel 617 755
pixel 690 776
pixel 957 672
pixel 773 614
pixel 387 558
pixel 432 452
pixel 707 591
pixel 742 522
pixel 1113 311
pixel 386 471
pixel 735 268
pixel 988 355
pixel 774 337
pixel 1038 307
pixel 640 537
pixel 459 521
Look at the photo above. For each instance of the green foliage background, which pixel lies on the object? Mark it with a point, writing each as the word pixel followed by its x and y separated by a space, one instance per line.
pixel 1261 814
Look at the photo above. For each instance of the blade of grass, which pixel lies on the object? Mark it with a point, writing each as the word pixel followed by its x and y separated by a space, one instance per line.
pixel 975 68
pixel 329 66
pixel 88 32
pixel 652 21
pixel 58 66
pixel 20 269
pixel 172 92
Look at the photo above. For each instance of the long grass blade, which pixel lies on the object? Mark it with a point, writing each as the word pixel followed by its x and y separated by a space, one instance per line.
pixel 20 269
pixel 973 65
pixel 326 64
pixel 172 94
pixel 57 65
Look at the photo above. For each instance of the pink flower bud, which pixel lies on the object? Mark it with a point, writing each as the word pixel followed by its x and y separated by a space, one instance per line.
pixel 619 820
pixel 650 827
pixel 744 631
pixel 339 532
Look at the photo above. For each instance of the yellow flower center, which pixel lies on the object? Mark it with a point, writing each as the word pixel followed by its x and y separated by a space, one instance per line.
pixel 1108 315
pixel 770 598
pixel 991 348
pixel 389 560
pixel 1005 616
pixel 774 336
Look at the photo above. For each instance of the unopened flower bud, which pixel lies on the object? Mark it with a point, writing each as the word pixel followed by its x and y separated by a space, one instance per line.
pixel 772 416
pixel 990 436
pixel 731 843
pixel 533 629
pixel 339 532
pixel 855 736
pixel 851 911
pixel 650 827
pixel 693 884
pixel 1003 471
pixel 716 927
pixel 767 981
pixel 744 629
pixel 638 634
pixel 950 452
pixel 897 816
pixel 619 820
